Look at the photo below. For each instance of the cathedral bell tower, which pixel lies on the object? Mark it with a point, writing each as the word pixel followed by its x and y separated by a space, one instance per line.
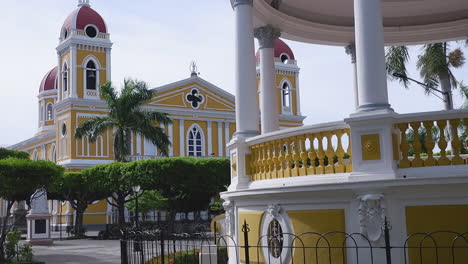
pixel 84 63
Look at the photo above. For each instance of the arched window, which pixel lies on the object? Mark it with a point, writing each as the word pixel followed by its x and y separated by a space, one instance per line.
pixel 53 156
pixel 91 78
pixel 35 155
pixel 50 112
pixel 195 142
pixel 65 78
pixel 286 97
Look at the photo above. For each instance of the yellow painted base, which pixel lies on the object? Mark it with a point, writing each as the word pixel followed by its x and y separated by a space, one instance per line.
pixel 254 220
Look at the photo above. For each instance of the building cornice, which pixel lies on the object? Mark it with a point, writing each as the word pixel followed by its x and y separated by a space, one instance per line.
pixel 35 140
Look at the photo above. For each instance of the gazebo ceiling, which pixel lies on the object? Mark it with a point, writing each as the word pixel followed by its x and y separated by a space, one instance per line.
pixel 331 21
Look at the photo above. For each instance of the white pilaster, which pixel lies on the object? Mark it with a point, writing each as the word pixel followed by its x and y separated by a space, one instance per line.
pixel 182 137
pixel 74 72
pixel 59 74
pixel 226 134
pixel 170 134
pixel 370 56
pixel 268 94
pixel 108 65
pixel 220 140
pixel 298 96
pixel 247 117
pixel 138 144
pixel 210 138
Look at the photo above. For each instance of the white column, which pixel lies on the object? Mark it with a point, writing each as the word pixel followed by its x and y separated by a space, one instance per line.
pixel 59 74
pixel 226 133
pixel 220 140
pixel 370 56
pixel 182 137
pixel 268 93
pixel 210 138
pixel 108 65
pixel 247 117
pixel 74 72
pixel 170 132
pixel 138 144
pixel 351 51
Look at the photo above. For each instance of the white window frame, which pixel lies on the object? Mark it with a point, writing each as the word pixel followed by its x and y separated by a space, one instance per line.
pixel 47 112
pixel 285 109
pixel 90 93
pixel 65 84
pixel 202 136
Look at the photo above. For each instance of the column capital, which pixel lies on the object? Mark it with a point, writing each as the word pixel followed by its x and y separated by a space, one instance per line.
pixel 236 3
pixel 266 36
pixel 350 49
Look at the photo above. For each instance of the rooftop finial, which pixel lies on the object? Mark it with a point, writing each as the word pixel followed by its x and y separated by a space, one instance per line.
pixel 193 69
pixel 83 3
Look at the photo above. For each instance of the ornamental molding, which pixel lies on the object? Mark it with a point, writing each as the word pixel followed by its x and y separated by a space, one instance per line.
pixel 274 210
pixel 195 98
pixel 371 215
pixel 266 36
pixel 229 217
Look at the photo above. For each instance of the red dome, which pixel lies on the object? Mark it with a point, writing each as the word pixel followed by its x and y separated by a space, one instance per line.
pixel 280 48
pixel 83 16
pixel 48 83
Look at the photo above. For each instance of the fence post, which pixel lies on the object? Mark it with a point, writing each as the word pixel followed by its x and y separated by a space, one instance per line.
pixel 162 247
pixel 246 230
pixel 123 251
pixel 215 231
pixel 388 248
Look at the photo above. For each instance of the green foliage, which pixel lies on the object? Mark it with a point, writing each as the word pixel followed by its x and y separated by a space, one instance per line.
pixel 190 257
pixel 216 208
pixel 148 201
pixel 7 153
pixel 126 116
pixel 15 252
pixel 20 178
pixel 187 183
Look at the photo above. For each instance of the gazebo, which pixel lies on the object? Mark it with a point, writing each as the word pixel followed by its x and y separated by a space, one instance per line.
pixel 351 175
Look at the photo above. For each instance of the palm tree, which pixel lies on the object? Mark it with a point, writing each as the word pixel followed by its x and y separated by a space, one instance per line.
pixel 435 65
pixel 126 116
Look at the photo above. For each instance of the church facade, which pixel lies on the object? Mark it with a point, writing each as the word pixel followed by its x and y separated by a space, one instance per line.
pixel 203 114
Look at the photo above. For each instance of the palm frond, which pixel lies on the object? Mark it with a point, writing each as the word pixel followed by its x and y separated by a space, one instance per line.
pixel 464 94
pixel 432 63
pixel 93 128
pixel 456 58
pixel 396 58
pixel 108 92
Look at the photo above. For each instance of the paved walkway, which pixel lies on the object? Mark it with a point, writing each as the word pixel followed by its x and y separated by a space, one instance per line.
pixel 85 251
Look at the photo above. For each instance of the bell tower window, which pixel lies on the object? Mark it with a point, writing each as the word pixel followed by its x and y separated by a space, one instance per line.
pixel 91 78
pixel 65 78
pixel 49 112
pixel 286 98
pixel 195 142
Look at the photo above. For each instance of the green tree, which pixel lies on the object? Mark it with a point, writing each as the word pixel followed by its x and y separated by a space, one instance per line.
pixel 80 189
pixel 148 201
pixel 7 153
pixel 126 115
pixel 19 180
pixel 435 64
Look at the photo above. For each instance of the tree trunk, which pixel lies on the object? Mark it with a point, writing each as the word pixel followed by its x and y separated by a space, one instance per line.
pixel 121 208
pixel 4 231
pixel 446 88
pixel 79 222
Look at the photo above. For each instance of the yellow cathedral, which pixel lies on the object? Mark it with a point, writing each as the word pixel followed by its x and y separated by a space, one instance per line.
pixel 69 94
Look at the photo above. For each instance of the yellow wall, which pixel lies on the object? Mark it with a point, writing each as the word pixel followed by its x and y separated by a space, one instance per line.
pixel 254 220
pixel 319 221
pixel 432 218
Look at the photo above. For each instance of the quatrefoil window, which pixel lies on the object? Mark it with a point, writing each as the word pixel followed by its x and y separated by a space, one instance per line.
pixel 195 98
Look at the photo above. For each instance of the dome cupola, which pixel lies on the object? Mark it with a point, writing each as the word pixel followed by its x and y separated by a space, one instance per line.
pixel 49 82
pixel 85 19
pixel 282 52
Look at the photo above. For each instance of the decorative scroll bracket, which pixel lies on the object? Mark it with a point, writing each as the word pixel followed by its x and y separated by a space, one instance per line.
pixel 274 210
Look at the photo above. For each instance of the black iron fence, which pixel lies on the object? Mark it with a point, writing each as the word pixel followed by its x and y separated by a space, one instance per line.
pixel 439 247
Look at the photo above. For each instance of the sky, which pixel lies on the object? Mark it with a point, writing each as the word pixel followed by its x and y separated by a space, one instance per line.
pixel 155 41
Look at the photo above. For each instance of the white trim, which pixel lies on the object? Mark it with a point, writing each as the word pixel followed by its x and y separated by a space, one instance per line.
pixel 170 132
pixel 108 64
pixel 53 153
pixel 182 137
pixel 91 93
pixel 138 144
pixel 74 72
pixel 284 110
pixel 35 155
pixel 95 28
pixel 203 141
pixel 47 112
pixel 210 137
pixel 220 140
pixel 226 133
pixel 298 96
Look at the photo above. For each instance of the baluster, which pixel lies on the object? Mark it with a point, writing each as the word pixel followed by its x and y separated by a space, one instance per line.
pixel 443 160
pixel 303 157
pixel 321 155
pixel 274 160
pixel 417 146
pixel 288 157
pixel 349 166
pixel 281 159
pixel 296 158
pixel 404 147
pixel 456 143
pixel 270 161
pixel 330 153
pixel 430 144
pixel 253 163
pixel 339 168
pixel 265 162
pixel 312 155
pixel 260 162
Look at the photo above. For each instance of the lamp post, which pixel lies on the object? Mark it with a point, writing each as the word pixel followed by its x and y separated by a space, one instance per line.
pixel 135 190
